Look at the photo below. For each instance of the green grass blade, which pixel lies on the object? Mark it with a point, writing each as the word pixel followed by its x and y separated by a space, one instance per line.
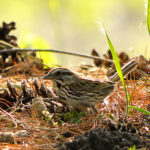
pixel 140 110
pixel 148 16
pixel 115 58
pixel 132 148
pixel 118 68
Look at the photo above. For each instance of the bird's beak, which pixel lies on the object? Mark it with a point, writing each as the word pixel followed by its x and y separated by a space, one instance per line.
pixel 47 76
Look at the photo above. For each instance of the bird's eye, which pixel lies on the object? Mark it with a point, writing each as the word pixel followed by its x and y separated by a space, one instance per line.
pixel 57 73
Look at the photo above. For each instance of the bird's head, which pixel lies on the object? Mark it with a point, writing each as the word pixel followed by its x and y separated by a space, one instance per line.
pixel 61 76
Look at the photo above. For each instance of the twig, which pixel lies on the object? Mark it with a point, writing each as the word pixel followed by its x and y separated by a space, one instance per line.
pixel 53 50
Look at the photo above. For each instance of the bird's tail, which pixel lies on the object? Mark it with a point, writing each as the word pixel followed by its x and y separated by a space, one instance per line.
pixel 126 69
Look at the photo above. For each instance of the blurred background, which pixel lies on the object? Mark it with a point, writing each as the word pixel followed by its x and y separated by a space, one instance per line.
pixel 75 26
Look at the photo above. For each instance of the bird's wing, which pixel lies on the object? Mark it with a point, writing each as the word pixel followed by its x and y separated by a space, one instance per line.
pixel 91 85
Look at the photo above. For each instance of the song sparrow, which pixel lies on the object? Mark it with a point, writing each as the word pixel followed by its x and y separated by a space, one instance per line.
pixel 83 93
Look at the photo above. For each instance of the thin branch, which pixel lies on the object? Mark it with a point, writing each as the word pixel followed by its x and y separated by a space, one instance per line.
pixel 53 50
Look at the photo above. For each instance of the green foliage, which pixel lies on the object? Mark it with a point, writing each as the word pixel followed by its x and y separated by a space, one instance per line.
pixel 148 16
pixel 140 110
pixel 132 148
pixel 111 116
pixel 30 40
pixel 47 116
pixel 81 13
pixel 118 68
pixel 73 117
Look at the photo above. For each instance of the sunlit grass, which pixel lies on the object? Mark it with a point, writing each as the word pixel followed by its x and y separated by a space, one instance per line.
pixel 140 110
pixel 119 71
pixel 132 148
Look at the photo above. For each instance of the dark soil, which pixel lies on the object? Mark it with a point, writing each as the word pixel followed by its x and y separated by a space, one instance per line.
pixel 100 139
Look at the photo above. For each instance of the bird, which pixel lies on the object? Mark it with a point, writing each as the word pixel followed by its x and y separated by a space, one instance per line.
pixel 81 93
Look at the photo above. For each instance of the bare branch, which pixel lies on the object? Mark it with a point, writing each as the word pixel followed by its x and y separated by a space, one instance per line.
pixel 53 50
